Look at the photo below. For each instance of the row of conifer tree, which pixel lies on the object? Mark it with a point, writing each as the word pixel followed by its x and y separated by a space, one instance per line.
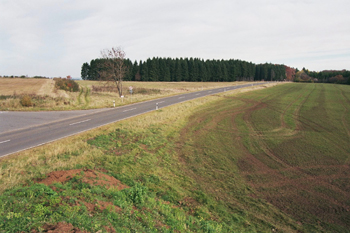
pixel 190 70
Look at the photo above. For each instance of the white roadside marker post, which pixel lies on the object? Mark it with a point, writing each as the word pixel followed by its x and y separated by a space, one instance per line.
pixel 113 103
pixel 156 106
pixel 130 90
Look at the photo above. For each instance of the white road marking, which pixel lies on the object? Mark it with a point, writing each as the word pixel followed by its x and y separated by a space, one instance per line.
pixel 5 141
pixel 80 122
pixel 197 93
pixel 181 97
pixel 129 110
pixel 161 102
pixel 209 91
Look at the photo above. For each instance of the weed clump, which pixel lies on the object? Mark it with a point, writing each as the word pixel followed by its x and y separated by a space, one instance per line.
pixel 66 84
pixel 26 101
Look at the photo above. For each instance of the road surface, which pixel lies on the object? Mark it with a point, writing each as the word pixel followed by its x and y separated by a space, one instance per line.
pixel 14 140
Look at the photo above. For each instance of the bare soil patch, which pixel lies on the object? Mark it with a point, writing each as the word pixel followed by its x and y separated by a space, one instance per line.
pixel 88 176
pixel 101 205
pixel 61 227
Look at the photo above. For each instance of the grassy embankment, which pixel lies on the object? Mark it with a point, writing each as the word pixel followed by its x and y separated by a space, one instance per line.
pixel 274 160
pixel 45 96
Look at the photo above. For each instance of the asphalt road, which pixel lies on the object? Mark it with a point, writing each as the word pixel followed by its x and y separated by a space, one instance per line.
pixel 14 120
pixel 12 141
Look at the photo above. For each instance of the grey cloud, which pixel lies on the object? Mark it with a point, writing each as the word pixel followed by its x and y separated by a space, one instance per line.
pixel 54 38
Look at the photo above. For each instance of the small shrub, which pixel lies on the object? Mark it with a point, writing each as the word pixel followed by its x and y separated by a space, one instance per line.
pixel 66 84
pixel 26 101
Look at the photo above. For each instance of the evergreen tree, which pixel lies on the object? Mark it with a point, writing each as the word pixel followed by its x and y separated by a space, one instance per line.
pixel 203 73
pixel 195 70
pixel 162 68
pixel 225 77
pixel 257 73
pixel 167 69
pixel 172 68
pixel 95 67
pixel 209 71
pixel 153 70
pixel 184 69
pixel 135 70
pixel 191 70
pixel 167 74
pixel 85 71
pixel 178 71
pixel 144 71
pixel 217 72
pixel 232 71
pixel 129 71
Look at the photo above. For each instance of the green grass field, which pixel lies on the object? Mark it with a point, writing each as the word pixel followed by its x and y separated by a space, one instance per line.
pixel 271 160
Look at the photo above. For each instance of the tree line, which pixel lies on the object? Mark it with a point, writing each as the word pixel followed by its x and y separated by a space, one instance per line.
pixel 330 76
pixel 189 70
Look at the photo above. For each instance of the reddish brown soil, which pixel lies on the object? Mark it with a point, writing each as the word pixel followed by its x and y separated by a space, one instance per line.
pixel 101 205
pixel 61 227
pixel 89 176
pixel 110 229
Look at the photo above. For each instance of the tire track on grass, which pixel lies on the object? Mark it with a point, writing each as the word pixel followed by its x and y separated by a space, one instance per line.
pixel 326 134
pixel 258 135
pixel 346 110
pixel 191 131
pixel 304 123
pixel 283 180
pixel 86 97
pixel 280 180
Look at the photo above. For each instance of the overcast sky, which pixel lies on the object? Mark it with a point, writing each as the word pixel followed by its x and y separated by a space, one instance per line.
pixel 55 37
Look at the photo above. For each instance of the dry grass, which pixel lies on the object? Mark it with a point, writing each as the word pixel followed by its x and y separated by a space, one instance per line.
pixel 48 88
pixel 87 99
pixel 9 86
pixel 105 99
pixel 17 168
pixel 175 87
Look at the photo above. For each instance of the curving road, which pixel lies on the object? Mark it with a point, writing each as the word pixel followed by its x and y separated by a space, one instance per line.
pixel 14 139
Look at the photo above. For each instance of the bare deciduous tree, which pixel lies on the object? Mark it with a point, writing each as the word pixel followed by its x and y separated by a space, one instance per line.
pixel 114 68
